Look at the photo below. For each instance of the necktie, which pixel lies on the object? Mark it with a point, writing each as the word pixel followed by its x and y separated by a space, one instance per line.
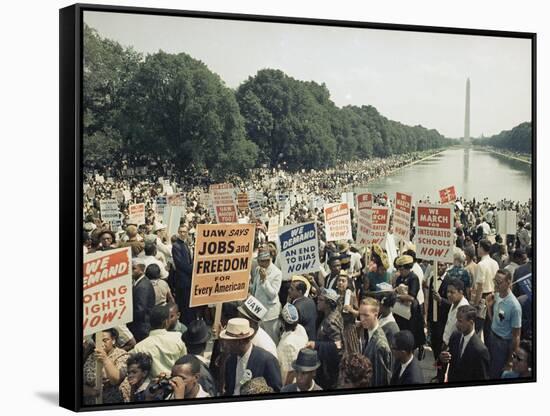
pixel 460 346
pixel 365 340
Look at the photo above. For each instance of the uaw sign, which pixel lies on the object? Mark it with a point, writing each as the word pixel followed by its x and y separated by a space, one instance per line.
pixel 434 237
pixel 447 194
pixel 337 222
pixel 299 249
pixel 379 226
pixel 222 263
pixel 364 217
pixel 402 216
pixel 224 203
pixel 107 284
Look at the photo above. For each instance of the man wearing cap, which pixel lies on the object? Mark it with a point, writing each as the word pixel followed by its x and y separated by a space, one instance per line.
pixel 407 287
pixel 245 360
pixel 406 369
pixel 374 344
pixel 350 260
pixel 266 283
pixel 293 339
pixel 328 343
pixel 254 311
pixel 196 337
pixel 307 310
pixel 305 367
pixel 143 300
pixel 165 249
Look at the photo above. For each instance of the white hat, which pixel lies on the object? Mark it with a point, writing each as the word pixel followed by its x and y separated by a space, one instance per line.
pixel 237 328
pixel 158 226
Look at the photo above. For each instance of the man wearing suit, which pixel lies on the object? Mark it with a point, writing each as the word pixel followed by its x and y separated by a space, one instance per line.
pixel 143 301
pixel 266 283
pixel 246 361
pixel 307 310
pixel 183 261
pixel 375 345
pixel 467 356
pixel 406 369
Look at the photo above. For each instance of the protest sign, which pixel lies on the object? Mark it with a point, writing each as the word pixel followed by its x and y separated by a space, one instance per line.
pixel 256 209
pixel 242 200
pixel 379 226
pixel 434 237
pixel 204 198
pixel 136 214
pixel 364 217
pixel 281 218
pixel 337 222
pixel 348 197
pixel 176 200
pixel 222 263
pixel 107 284
pixel 447 194
pixel 507 222
pixel 127 195
pixel 224 202
pixel 109 210
pixel 160 205
pixel 402 216
pixel 273 229
pixel 172 218
pixel 299 249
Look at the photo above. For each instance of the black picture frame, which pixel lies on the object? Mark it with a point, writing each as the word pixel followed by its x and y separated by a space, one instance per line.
pixel 71 218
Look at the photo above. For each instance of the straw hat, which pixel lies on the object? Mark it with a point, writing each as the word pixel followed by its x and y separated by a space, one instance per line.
pixel 237 328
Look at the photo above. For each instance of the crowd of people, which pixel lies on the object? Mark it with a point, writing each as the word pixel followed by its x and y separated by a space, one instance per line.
pixel 366 319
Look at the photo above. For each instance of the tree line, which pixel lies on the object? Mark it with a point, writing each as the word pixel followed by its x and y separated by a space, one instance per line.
pixel 173 105
pixel 519 139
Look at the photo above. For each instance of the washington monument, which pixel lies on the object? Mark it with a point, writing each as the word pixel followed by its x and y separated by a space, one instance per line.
pixel 467 114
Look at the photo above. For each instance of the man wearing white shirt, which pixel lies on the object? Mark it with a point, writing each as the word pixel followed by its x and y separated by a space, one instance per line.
pixel 455 294
pixel 266 283
pixel 467 356
pixel 486 271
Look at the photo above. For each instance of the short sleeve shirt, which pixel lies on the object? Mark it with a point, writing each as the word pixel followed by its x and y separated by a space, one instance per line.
pixel 506 315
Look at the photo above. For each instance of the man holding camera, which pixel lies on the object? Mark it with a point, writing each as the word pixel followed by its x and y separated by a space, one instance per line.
pixel 182 384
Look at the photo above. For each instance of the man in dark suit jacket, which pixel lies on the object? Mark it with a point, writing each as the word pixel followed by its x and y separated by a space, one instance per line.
pixel 406 369
pixel 183 261
pixel 307 310
pixel 375 347
pixel 143 301
pixel 246 361
pixel 467 356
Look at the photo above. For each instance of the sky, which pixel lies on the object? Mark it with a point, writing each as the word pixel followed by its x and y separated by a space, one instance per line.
pixel 411 77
